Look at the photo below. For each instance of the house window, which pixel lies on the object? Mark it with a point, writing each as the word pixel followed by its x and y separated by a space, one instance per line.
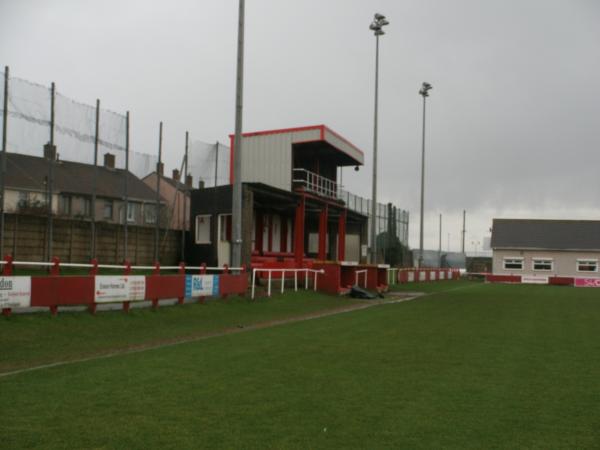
pixel 587 265
pixel 23 199
pixel 513 263
pixel 150 213
pixel 64 205
pixel 87 207
pixel 131 212
pixel 542 264
pixel 108 209
pixel 203 229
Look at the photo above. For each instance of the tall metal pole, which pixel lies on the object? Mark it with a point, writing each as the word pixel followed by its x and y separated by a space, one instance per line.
pixel 216 162
pixel 52 154
pixel 3 160
pixel 185 192
pixel 440 246
pixel 464 231
pixel 374 186
pixel 157 206
pixel 236 248
pixel 125 189
pixel 424 92
pixel 95 178
pixel 422 189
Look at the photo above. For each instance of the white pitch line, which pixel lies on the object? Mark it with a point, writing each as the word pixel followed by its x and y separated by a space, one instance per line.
pixel 258 326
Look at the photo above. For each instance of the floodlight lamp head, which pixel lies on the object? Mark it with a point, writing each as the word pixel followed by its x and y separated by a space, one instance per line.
pixel 424 91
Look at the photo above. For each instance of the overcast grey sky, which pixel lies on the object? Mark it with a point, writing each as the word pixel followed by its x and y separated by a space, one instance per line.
pixel 513 119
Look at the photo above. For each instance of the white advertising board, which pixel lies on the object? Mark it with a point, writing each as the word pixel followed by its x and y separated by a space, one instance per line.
pixel 124 288
pixel 201 285
pixel 15 292
pixel 411 276
pixel 534 279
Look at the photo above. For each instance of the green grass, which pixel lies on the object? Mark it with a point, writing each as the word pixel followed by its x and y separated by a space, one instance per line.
pixel 35 339
pixel 486 366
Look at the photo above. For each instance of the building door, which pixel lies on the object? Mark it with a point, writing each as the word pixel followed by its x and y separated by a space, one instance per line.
pixel 276 233
pixel 224 241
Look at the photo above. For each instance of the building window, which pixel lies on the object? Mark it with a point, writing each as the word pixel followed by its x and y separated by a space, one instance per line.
pixel 131 212
pixel 64 205
pixel 87 207
pixel 108 209
pixel 23 199
pixel 587 265
pixel 203 229
pixel 513 263
pixel 542 264
pixel 150 213
pixel 225 227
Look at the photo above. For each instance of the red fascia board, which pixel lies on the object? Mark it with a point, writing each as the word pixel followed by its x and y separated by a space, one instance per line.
pixel 321 128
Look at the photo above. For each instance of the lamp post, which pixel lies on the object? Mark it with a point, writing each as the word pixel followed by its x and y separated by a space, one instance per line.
pixel 236 202
pixel 424 92
pixel 379 21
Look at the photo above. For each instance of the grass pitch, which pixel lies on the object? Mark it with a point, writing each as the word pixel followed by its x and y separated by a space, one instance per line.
pixel 484 366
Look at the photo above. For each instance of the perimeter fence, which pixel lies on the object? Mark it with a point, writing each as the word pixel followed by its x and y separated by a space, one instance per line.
pixel 40 121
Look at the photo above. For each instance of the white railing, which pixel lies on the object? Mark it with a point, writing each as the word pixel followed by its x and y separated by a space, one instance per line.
pixel 283 272
pixel 116 266
pixel 316 183
pixel 357 273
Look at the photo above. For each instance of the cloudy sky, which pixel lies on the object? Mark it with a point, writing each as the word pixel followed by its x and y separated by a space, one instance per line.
pixel 513 119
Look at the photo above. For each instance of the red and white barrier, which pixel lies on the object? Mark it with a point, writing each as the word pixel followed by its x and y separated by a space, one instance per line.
pixel 56 290
pixel 412 275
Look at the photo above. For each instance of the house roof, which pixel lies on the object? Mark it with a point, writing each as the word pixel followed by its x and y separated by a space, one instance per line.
pixel 29 173
pixel 537 234
pixel 180 185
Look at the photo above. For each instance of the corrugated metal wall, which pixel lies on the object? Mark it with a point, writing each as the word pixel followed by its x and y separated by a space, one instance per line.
pixel 268 158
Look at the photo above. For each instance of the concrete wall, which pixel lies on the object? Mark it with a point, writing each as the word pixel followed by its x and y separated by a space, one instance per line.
pixel 25 239
pixel 564 262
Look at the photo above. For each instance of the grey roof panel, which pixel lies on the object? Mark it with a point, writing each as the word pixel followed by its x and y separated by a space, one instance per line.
pixel 30 172
pixel 546 234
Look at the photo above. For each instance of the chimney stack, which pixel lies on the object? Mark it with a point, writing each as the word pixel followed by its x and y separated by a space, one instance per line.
pixel 109 160
pixel 189 181
pixel 176 174
pixel 161 168
pixel 201 184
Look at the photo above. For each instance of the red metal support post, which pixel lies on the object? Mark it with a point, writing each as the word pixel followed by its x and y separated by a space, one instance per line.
pixel 299 232
pixel 322 255
pixel 342 236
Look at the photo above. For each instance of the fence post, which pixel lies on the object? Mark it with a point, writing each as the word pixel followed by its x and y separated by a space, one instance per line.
pixel 155 273
pixel 93 273
pixel 54 271
pixel 202 298
pixel 126 271
pixel 253 281
pixel 225 271
pixel 7 271
pixel 180 300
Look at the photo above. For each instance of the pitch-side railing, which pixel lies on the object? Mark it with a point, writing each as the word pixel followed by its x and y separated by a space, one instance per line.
pixel 270 271
pixel 359 272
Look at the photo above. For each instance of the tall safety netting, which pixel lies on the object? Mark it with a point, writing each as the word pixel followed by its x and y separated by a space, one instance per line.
pixel 208 163
pixel 29 121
